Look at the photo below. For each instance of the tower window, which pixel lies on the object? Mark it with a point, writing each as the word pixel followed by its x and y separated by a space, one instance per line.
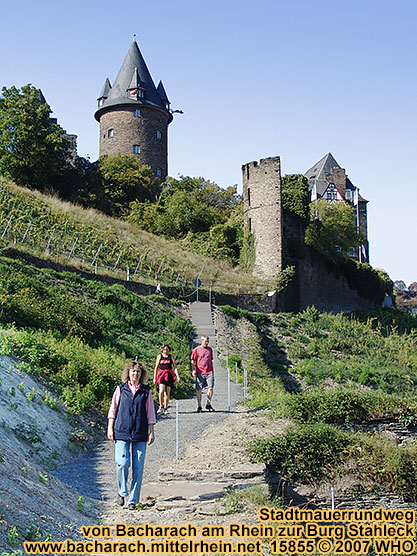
pixel 136 149
pixel 136 113
pixel 110 133
pixel 250 224
pixel 158 135
pixel 159 172
pixel 248 196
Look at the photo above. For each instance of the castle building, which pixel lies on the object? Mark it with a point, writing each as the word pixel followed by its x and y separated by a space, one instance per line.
pixel 265 219
pixel 327 180
pixel 134 115
pixel 262 214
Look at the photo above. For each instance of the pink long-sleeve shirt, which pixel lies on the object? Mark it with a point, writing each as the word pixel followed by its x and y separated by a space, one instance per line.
pixel 150 408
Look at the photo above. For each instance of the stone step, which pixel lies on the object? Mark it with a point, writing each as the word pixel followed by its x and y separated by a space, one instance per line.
pixel 197 491
pixel 218 475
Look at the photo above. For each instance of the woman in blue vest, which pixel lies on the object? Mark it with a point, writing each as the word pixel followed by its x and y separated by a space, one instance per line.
pixel 131 421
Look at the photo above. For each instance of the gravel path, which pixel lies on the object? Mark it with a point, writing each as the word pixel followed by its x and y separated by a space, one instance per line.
pixel 93 474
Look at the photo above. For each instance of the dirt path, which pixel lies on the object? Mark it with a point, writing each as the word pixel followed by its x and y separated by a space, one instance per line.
pixel 93 474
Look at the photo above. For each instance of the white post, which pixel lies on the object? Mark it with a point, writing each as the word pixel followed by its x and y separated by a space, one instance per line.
pixel 118 259
pixel 160 266
pixel 93 262
pixel 236 370
pixel 179 274
pixel 27 231
pixel 50 239
pixel 245 383
pixel 332 491
pixel 7 225
pixel 229 394
pixel 138 265
pixel 176 431
pixel 72 248
pixel 127 274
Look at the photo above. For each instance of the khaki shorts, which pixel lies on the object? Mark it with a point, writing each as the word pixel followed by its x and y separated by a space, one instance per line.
pixel 204 381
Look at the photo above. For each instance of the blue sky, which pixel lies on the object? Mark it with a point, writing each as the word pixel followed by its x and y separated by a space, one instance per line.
pixel 255 79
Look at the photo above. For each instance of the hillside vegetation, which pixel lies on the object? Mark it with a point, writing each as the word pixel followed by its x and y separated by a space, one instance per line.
pixel 336 377
pixel 78 333
pixel 85 238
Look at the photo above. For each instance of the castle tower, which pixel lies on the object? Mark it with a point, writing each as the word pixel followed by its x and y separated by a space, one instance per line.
pixel 263 214
pixel 134 115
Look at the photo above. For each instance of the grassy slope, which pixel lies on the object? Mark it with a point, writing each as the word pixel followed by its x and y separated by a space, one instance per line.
pixel 89 229
pixel 78 333
pixel 329 374
pixel 72 337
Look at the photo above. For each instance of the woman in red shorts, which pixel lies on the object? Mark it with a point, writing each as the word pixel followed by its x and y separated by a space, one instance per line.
pixel 165 374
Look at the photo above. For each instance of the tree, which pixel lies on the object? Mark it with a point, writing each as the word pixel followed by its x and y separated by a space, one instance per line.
pixel 125 180
pixel 33 150
pixel 332 230
pixel 183 213
pixel 295 195
pixel 223 201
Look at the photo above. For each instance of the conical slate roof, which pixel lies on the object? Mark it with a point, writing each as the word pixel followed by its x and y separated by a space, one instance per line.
pixel 132 75
pixel 162 93
pixel 105 90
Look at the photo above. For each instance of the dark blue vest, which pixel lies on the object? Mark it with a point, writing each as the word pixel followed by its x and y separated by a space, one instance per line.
pixel 131 422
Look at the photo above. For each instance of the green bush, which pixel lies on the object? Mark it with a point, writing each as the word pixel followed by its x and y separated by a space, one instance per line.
pixel 82 338
pixel 342 406
pixel 304 452
pixel 384 462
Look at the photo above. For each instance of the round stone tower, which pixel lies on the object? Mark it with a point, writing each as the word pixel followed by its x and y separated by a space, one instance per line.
pixel 134 115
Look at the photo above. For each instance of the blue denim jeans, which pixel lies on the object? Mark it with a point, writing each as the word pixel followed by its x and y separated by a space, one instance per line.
pixel 122 456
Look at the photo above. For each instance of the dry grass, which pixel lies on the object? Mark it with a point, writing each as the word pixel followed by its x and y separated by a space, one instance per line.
pixel 221 273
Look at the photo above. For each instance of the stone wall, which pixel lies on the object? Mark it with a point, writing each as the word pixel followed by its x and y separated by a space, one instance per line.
pixel 263 214
pixel 129 130
pixel 315 285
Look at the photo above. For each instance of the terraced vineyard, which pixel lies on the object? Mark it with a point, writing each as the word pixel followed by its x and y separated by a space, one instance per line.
pixel 57 230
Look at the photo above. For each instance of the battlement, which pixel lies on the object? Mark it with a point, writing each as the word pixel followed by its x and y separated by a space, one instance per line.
pixel 263 213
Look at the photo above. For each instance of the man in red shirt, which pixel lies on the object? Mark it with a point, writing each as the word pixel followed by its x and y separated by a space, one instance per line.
pixel 202 365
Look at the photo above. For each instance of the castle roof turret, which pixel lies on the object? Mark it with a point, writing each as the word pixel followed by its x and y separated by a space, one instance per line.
pixel 163 95
pixel 105 90
pixel 133 86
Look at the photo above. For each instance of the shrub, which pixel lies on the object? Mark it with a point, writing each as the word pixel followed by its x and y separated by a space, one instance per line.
pixel 304 452
pixel 341 406
pixel 384 462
